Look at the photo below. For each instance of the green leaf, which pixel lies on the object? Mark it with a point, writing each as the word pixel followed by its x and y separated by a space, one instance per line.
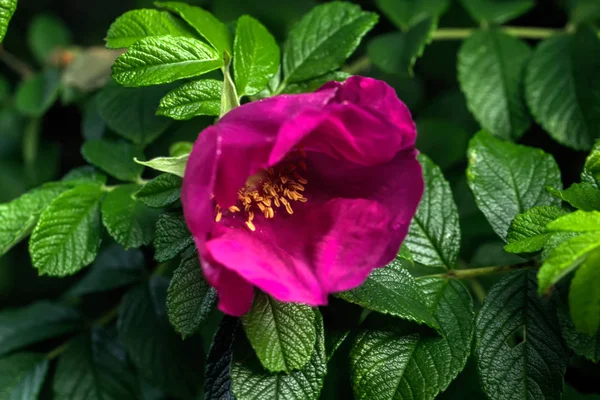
pixel 130 222
pixel 434 235
pixel 217 382
pixel 561 84
pixel 256 56
pixel 591 169
pixel 36 94
pixel 397 52
pixel 399 360
pixel 519 350
pixel 392 290
pixel 527 232
pixel 508 179
pixel 497 11
pixel 405 14
pixel 131 112
pixel 172 165
pixel 251 382
pixel 7 9
pixel 566 257
pixel 584 296
pixel 490 72
pixel 584 196
pixel 155 349
pixel 283 335
pixel 94 367
pixel 67 237
pixel 214 31
pixel 86 174
pixel 202 97
pixel 162 191
pixel 578 221
pixel 172 237
pixel 164 59
pixel 556 240
pixel 114 158
pixel 582 11
pixel 444 142
pixel 114 268
pixel 324 39
pixel 22 376
pixel 40 321
pixel 583 344
pixel 229 96
pixel 190 299
pixel 136 25
pixel 46 34
pixel 20 216
pixel 316 83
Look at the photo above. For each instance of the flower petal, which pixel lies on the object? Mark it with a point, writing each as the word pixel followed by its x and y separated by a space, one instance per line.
pixel 235 293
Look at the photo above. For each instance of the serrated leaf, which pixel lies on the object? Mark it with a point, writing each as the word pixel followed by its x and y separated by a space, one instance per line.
pixel 114 267
pixel 162 191
pixel 584 296
pixel 172 165
pixel 159 353
pixel 172 237
pixel 556 240
pixel 114 158
pixel 314 84
pixel 129 221
pixel 190 299
pixel 490 72
pixel 407 13
pixel 492 11
pixel 68 234
pixel 214 31
pixel 36 94
pixel 399 360
pixel 136 25
pixel 561 84
pixel 217 382
pixel 46 34
pixel 164 59
pixel 591 169
pixel 20 216
pixel 131 112
pixel 283 335
pixel 392 290
pixel 520 354
pixel 508 179
pixel 324 39
pixel 95 367
pixel 583 344
pixel 527 232
pixel 397 52
pixel 583 196
pixel 251 382
pixel 202 97
pixel 578 221
pixel 40 321
pixel 256 56
pixel 7 9
pixel 22 376
pixel 434 235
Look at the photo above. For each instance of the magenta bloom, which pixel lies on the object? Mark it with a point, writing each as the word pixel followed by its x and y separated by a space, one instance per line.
pixel 303 195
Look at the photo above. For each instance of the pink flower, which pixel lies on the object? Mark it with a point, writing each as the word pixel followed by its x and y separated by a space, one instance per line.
pixel 303 195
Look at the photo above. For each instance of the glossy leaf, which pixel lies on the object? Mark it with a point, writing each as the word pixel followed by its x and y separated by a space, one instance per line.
pixel 114 158
pixel 583 196
pixel 162 191
pixel 171 165
pixel 202 97
pixel 172 237
pixel 7 9
pixel 217 382
pixel 584 296
pixel 578 221
pixel 591 169
pixel 527 232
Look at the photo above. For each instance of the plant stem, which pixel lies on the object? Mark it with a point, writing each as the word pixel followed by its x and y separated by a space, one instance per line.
pixel 477 272
pixel 524 32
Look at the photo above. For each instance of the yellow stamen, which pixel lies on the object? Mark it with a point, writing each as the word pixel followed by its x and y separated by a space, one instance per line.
pixel 250 226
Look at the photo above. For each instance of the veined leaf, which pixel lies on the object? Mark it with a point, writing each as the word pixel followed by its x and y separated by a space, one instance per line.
pixel 256 56
pixel 324 39
pixel 114 158
pixel 164 59
pixel 508 179
pixel 583 344
pixel 497 11
pixel 584 196
pixel 584 296
pixel 578 221
pixel 434 235
pixel 490 72
pixel 214 31
pixel 283 335
pixel 519 350
pixel 562 86
pixel 591 169
pixel 22 376
pixel 217 382
pixel 7 9
pixel 136 25
pixel 407 13
pixel 527 232
pixel 172 237
pixel 202 97
pixel 67 237
pixel 172 165
pixel 162 191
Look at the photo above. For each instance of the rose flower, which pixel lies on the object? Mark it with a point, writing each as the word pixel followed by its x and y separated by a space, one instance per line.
pixel 302 195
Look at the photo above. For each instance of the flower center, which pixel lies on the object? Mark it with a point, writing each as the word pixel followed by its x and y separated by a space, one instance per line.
pixel 269 189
